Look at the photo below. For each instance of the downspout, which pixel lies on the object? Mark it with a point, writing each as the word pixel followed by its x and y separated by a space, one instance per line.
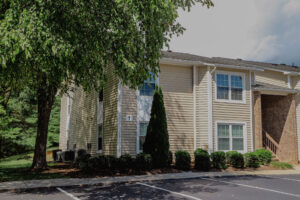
pixel 251 110
pixel 210 109
pixel 195 107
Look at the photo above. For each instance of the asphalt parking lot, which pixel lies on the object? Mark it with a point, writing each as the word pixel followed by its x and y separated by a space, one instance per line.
pixel 283 187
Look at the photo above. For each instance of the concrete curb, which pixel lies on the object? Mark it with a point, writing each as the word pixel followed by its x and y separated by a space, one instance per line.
pixel 75 182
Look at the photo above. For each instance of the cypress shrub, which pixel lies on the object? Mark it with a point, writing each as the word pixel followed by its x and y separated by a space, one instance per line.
pixel 202 160
pixel 264 156
pixel 170 159
pixel 219 160
pixel 157 138
pixel 183 160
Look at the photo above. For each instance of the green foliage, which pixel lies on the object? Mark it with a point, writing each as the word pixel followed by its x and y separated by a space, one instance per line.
pixel 157 138
pixel 264 156
pixel 251 160
pixel 143 162
pixel 112 162
pixel 202 160
pixel 236 160
pixel 218 159
pixel 281 165
pixel 228 155
pixel 18 123
pixel 183 160
pixel 49 45
pixel 170 159
pixel 126 162
pixel 97 163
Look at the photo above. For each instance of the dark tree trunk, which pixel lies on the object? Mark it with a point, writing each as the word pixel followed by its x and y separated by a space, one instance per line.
pixel 46 95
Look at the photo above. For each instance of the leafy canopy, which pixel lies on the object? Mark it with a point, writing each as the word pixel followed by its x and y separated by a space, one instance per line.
pixel 75 40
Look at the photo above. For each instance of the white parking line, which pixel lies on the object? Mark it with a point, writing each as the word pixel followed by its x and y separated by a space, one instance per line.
pixel 254 187
pixel 177 193
pixel 283 178
pixel 68 194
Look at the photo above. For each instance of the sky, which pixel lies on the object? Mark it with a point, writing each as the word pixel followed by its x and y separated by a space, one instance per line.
pixel 260 30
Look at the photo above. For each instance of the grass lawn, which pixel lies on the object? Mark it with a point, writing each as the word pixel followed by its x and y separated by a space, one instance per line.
pixel 15 168
pixel 281 165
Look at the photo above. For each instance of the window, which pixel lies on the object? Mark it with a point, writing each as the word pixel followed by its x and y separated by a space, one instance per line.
pixel 142 136
pixel 229 86
pixel 148 88
pixel 100 137
pixel 230 137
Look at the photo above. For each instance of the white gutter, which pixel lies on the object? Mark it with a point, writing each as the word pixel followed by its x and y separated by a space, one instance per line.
pixel 180 62
pixel 251 110
pixel 195 107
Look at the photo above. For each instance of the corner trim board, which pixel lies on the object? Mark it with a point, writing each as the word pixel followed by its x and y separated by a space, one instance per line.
pixel 119 146
pixel 210 117
pixel 194 102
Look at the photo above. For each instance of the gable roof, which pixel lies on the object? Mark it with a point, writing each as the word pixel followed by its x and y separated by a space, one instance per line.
pixel 229 61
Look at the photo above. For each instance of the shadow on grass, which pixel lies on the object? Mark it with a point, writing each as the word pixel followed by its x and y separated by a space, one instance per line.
pixel 24 173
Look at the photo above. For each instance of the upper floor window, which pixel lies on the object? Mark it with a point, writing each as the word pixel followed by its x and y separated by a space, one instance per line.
pixel 229 86
pixel 148 88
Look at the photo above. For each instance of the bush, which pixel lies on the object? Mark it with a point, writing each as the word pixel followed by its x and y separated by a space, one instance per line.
pixel 143 162
pixel 97 163
pixel 202 160
pixel 219 160
pixel 125 163
pixel 78 154
pixel 236 160
pixel 228 156
pixel 157 138
pixel 264 156
pixel 83 161
pixel 183 160
pixel 67 156
pixel 55 157
pixel 112 162
pixel 251 160
pixel 170 159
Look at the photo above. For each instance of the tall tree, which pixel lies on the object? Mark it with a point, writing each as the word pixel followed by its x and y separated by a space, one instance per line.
pixel 157 138
pixel 48 45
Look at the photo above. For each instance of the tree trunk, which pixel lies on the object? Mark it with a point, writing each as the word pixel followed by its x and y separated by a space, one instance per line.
pixel 46 97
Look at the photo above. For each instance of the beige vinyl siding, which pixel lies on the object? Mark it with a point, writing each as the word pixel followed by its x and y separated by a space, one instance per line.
pixel 296 83
pixel 63 123
pixel 232 112
pixel 83 120
pixel 129 128
pixel 202 107
pixel 271 77
pixel 177 87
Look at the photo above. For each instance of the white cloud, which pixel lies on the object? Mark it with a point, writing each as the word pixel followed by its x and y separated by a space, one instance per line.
pixel 264 30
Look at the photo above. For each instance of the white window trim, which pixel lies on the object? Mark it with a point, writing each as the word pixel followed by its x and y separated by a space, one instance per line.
pixel 244 124
pixel 138 137
pixel 229 82
pixel 100 151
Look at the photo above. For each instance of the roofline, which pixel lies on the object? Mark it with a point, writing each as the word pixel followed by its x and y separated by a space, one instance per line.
pixel 181 62
pixel 190 63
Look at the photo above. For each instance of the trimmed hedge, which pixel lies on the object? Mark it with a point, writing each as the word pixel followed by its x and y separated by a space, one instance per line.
pixel 183 160
pixel 112 162
pixel 143 162
pixel 237 160
pixel 202 160
pixel 251 160
pixel 228 156
pixel 126 162
pixel 97 163
pixel 83 162
pixel 264 156
pixel 218 160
